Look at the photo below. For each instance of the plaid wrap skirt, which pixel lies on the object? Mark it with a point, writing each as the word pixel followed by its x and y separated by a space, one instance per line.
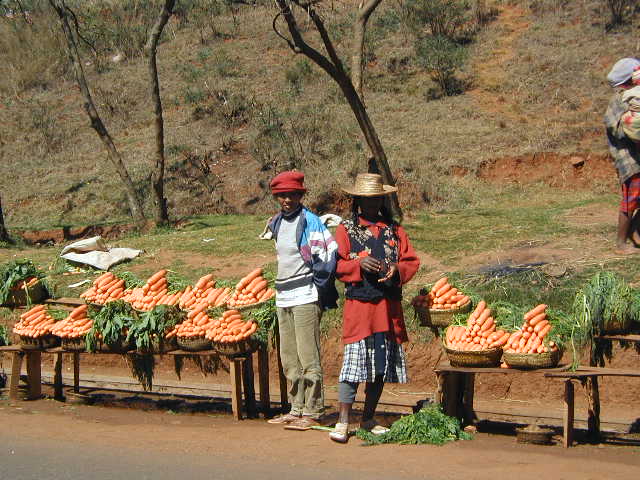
pixel 358 364
pixel 630 195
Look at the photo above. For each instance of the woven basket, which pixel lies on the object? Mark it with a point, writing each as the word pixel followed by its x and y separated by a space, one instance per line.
pixel 432 317
pixel 18 298
pixel 533 360
pixel 40 343
pixel 158 348
pixel 534 434
pixel 74 344
pixel 121 346
pixel 194 344
pixel 613 326
pixel 481 358
pixel 242 347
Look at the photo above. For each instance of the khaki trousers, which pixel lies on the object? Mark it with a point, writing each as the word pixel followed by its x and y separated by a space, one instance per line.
pixel 300 355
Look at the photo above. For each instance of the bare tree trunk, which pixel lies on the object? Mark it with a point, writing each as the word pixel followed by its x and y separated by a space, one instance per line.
pixel 157 174
pixel 4 234
pixel 96 122
pixel 357 53
pixel 334 68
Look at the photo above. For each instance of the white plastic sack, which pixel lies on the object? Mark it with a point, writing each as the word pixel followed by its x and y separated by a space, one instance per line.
pixel 93 251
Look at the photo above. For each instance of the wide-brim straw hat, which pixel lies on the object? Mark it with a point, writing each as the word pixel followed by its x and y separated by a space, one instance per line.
pixel 369 185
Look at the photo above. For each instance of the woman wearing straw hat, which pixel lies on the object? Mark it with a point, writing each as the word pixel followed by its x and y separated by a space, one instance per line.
pixel 375 259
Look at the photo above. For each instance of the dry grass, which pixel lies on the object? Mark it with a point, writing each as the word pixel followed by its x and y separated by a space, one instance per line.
pixel 552 95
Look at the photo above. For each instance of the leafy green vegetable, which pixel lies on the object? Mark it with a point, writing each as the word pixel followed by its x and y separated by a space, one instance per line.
pixel 428 426
pixel 16 270
pixel 131 280
pixel 153 325
pixel 267 319
pixel 110 324
pixel 4 336
pixel 176 282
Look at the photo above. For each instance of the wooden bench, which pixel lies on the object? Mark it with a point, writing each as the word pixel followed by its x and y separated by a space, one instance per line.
pixel 240 369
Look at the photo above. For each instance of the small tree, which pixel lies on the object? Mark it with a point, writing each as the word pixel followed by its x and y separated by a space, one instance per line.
pixel 4 234
pixel 157 174
pixel 443 17
pixel 619 10
pixel 441 57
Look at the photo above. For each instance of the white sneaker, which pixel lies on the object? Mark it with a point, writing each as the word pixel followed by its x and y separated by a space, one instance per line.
pixel 340 433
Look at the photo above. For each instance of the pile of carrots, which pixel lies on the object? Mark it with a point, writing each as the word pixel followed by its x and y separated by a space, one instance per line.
pixel 479 334
pixel 253 288
pixel 29 282
pixel 76 325
pixel 442 296
pixel 106 288
pixel 35 323
pixel 230 328
pixel 531 336
pixel 195 325
pixel 204 293
pixel 151 293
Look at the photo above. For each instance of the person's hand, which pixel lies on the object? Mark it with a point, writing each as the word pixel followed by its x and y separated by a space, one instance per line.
pixel 370 264
pixel 393 268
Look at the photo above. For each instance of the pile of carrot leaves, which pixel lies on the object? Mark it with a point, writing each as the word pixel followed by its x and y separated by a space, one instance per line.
pixel 19 270
pixel 427 426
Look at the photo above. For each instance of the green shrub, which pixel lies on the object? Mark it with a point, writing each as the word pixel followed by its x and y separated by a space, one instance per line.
pixel 441 57
pixel 444 18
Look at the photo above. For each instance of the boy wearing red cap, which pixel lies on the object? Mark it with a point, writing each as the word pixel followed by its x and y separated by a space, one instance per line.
pixel 306 254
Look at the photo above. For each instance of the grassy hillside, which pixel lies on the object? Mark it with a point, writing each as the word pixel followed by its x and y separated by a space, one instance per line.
pixel 239 105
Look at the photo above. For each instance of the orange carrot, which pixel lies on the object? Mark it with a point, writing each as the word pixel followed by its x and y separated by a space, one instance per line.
pixel 535 311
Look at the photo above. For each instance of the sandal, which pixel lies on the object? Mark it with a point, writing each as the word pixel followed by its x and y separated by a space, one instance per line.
pixel 284 419
pixel 340 433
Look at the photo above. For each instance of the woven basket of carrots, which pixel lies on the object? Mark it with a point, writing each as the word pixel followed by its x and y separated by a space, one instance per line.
pixel 73 329
pixel 479 343
pixel 26 293
pixel 190 334
pixel 437 307
pixel 34 329
pixel 529 346
pixel 232 335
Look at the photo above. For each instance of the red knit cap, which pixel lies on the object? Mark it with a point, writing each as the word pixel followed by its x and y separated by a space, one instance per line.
pixel 288 182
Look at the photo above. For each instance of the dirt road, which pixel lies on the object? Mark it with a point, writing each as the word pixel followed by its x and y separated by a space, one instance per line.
pixel 47 439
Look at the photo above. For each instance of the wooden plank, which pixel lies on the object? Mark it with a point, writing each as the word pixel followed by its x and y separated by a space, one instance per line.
pixel 72 301
pixel 467 398
pixel 593 410
pixel 567 425
pixel 236 387
pixel 10 348
pixel 507 371
pixel 451 395
pixel 622 338
pixel 34 377
pixel 76 372
pixel 57 377
pixel 16 368
pixel 249 388
pixel 585 372
pixel 263 379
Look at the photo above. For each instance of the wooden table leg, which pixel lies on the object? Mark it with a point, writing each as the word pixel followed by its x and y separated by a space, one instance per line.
pixel 249 388
pixel 34 374
pixel 236 387
pixel 593 413
pixel 567 424
pixel 16 368
pixel 467 398
pixel 57 377
pixel 440 389
pixel 284 394
pixel 76 372
pixel 263 379
pixel 451 395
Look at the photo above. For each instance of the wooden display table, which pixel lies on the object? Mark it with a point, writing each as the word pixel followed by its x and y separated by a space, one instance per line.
pixel 240 369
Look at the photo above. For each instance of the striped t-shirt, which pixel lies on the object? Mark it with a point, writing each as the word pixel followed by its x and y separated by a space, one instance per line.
pixel 294 283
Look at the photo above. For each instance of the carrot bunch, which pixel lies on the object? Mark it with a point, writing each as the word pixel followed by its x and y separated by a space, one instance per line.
pixel 153 292
pixel 106 288
pixel 230 328
pixel 531 336
pixel 195 325
pixel 251 289
pixel 204 292
pixel 29 282
pixel 479 334
pixel 76 325
pixel 442 296
pixel 35 323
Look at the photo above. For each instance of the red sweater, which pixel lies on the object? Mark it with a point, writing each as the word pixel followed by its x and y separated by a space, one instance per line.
pixel 361 319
